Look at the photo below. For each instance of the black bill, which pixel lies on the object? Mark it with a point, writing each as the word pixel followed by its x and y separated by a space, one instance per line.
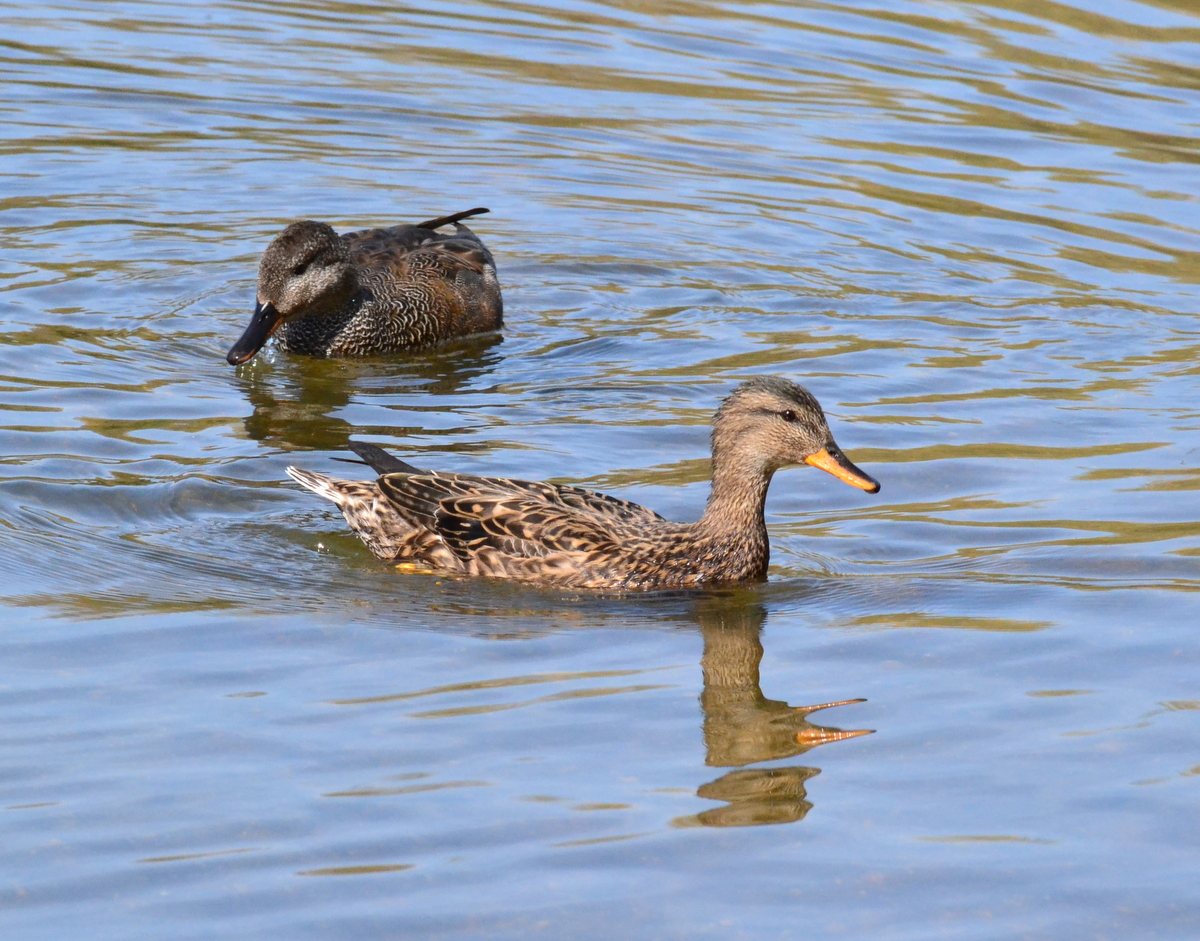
pixel 264 322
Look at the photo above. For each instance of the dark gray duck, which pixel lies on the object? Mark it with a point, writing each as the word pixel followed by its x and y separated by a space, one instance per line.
pixel 460 524
pixel 374 291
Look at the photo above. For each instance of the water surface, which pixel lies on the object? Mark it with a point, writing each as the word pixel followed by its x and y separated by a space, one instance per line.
pixel 968 227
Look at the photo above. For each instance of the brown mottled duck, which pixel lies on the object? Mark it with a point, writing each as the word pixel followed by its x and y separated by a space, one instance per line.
pixel 553 534
pixel 371 292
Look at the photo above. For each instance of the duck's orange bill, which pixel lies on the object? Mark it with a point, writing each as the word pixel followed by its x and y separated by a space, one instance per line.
pixel 831 459
pixel 816 735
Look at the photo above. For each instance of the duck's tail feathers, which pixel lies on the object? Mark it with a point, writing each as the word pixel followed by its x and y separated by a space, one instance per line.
pixel 454 217
pixel 380 461
pixel 323 486
pixel 370 514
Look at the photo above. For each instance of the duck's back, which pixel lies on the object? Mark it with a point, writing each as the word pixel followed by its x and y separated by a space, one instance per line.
pixel 542 532
pixel 419 287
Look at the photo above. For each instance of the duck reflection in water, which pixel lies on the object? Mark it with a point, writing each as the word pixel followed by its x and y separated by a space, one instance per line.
pixel 295 399
pixel 742 726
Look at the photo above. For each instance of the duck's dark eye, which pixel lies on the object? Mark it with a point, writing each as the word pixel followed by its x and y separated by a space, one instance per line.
pixel 788 416
pixel 300 268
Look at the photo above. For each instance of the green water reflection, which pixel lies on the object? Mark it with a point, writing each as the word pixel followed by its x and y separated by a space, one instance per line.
pixel 742 727
pixel 968 227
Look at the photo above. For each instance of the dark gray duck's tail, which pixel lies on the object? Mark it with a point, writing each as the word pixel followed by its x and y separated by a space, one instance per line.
pixel 455 217
pixel 380 461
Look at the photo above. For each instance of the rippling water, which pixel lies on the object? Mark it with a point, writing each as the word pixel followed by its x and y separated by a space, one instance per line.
pixel 968 227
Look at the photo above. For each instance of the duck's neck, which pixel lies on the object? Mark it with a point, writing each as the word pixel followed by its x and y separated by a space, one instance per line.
pixel 739 492
pixel 733 518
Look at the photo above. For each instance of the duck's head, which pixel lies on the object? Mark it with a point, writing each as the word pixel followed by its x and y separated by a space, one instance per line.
pixel 306 270
pixel 770 422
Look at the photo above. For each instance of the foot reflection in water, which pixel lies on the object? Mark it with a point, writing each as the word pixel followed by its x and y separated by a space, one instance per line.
pixel 294 397
pixel 741 727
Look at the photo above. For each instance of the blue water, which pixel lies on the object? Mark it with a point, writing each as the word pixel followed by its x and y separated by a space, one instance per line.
pixel 968 228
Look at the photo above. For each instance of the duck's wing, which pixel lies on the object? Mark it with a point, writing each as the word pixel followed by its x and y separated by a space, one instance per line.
pixel 406 248
pixel 620 511
pixel 522 520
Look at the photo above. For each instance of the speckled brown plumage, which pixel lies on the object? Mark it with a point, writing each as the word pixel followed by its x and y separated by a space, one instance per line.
pixel 374 291
pixel 460 524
